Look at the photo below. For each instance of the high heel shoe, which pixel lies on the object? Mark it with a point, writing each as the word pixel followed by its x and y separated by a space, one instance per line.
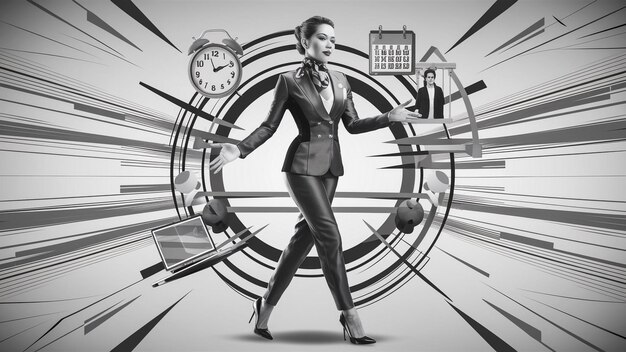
pixel 256 308
pixel 355 340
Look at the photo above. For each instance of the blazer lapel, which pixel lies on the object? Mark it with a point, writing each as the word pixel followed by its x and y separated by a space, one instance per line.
pixel 339 92
pixel 306 84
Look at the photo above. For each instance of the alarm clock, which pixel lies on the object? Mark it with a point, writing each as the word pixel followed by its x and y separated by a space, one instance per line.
pixel 214 68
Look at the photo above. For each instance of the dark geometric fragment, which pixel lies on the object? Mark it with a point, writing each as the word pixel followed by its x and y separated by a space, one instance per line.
pixel 99 111
pixel 72 314
pixel 131 10
pixel 583 320
pixel 150 188
pixel 482 272
pixel 558 20
pixel 542 108
pixel 472 88
pixel 95 321
pixel 408 264
pixel 62 87
pixel 494 11
pixel 581 218
pixel 93 18
pixel 557 37
pixel 492 339
pixel 526 39
pixel 551 322
pixel 189 107
pixel 71 25
pixel 43 36
pixel 133 340
pixel 524 33
pixel 151 270
pixel 604 30
pixel 530 330
pixel 527 240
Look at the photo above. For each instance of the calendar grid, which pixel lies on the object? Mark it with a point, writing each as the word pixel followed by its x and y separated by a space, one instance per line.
pixel 392 52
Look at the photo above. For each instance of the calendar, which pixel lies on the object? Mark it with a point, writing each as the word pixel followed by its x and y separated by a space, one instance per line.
pixel 392 52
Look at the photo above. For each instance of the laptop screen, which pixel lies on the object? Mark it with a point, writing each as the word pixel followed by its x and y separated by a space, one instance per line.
pixel 181 242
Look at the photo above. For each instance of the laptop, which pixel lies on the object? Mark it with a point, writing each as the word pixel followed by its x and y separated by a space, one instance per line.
pixel 183 243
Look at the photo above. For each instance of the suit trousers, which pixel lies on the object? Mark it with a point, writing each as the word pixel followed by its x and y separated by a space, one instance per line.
pixel 316 226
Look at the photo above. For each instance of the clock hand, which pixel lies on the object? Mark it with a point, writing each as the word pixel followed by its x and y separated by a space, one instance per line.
pixel 219 68
pixel 212 64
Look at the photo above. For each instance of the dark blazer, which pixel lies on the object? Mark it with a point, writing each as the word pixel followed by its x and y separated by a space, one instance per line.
pixel 423 105
pixel 315 150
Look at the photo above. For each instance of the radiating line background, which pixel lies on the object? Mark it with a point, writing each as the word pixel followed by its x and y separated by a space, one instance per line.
pixel 532 254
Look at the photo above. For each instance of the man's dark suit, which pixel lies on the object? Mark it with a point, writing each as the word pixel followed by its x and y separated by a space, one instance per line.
pixel 312 167
pixel 423 104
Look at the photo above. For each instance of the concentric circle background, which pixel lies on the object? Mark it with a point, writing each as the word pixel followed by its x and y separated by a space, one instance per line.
pixel 373 273
pixel 532 252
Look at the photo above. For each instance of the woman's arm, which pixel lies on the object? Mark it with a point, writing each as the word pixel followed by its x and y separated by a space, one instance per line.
pixel 269 126
pixel 230 152
pixel 355 125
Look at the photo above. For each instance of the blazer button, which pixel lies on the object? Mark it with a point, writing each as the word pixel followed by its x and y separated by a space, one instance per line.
pixel 319 136
pixel 330 122
pixel 330 136
pixel 319 123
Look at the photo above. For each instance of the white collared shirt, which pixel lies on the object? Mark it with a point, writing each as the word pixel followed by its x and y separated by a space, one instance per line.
pixel 328 104
pixel 431 101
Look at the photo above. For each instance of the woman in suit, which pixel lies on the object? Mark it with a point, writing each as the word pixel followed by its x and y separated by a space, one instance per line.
pixel 430 97
pixel 317 99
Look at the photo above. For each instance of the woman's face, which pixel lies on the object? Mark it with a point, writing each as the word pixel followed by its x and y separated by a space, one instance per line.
pixel 321 44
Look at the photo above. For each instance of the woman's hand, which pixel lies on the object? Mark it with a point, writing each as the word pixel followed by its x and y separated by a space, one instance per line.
pixel 229 153
pixel 400 114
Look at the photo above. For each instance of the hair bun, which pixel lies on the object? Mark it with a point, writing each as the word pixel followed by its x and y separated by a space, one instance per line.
pixel 298 31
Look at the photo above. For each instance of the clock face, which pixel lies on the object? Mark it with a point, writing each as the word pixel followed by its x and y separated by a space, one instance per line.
pixel 215 71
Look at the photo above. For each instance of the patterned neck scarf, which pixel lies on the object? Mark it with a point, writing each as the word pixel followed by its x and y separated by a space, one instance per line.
pixel 317 71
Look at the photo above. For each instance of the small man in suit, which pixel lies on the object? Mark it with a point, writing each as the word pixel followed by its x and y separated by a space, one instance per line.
pixel 429 100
